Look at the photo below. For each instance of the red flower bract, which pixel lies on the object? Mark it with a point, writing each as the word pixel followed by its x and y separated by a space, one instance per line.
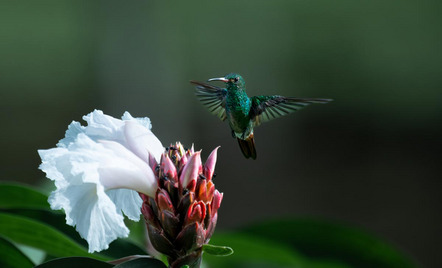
pixel 182 216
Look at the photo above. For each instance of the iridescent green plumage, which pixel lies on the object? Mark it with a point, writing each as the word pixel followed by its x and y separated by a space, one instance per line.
pixel 244 113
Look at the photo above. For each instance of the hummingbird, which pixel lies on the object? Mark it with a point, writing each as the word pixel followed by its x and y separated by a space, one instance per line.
pixel 243 112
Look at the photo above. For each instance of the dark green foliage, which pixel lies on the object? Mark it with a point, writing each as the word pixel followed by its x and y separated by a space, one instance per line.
pixel 14 195
pixel 307 243
pixel 142 262
pixel 329 240
pixel 11 256
pixel 75 262
pixel 39 235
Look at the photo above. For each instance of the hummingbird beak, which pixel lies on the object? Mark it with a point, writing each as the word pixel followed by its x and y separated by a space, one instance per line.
pixel 218 79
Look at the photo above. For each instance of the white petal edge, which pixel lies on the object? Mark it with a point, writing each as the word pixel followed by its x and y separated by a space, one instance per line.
pixel 127 201
pixel 142 141
pixel 92 212
pixel 133 133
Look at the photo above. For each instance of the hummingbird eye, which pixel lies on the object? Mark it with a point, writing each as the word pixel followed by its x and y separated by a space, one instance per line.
pixel 236 79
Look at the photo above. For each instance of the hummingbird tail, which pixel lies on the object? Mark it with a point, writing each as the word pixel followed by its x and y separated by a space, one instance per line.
pixel 248 146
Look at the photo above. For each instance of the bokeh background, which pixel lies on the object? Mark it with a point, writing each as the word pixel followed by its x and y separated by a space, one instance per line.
pixel 371 158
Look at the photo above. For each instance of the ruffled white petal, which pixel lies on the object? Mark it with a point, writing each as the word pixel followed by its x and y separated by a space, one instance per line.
pixel 144 121
pixel 103 126
pixel 129 132
pixel 124 200
pixel 84 172
pixel 98 170
pixel 71 134
pixel 92 212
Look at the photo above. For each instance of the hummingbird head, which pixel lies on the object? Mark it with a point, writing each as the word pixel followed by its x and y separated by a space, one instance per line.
pixel 232 80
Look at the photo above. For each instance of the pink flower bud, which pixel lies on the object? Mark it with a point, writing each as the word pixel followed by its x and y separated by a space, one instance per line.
pixel 191 170
pixel 184 210
pixel 196 213
pixel 209 166
pixel 163 201
pixel 216 201
pixel 168 168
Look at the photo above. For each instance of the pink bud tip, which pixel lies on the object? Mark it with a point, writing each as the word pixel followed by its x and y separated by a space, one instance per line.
pixel 209 166
pixel 163 201
pixel 168 167
pixel 216 202
pixel 191 170
pixel 183 160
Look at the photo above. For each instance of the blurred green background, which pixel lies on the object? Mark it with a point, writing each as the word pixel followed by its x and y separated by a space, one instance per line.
pixel 370 158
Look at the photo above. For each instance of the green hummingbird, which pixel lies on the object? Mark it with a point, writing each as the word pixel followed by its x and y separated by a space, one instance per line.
pixel 244 113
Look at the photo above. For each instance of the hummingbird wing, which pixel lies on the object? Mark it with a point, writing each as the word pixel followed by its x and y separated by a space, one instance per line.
pixel 214 98
pixel 266 108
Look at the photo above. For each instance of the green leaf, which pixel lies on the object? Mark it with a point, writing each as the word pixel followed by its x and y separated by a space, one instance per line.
pixel 20 196
pixel 123 247
pixel 252 251
pixel 332 241
pixel 11 256
pixel 117 249
pixel 217 250
pixel 74 262
pixel 138 231
pixel 142 262
pixel 39 235
pixel 53 218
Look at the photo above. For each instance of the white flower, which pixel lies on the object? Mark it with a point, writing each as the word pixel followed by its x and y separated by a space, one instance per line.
pixel 98 171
